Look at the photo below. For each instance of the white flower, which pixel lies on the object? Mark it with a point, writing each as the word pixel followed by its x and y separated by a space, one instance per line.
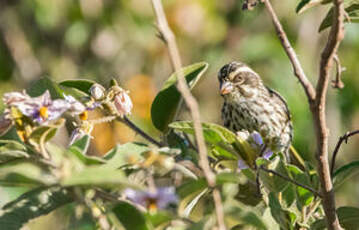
pixel 123 103
pixel 76 107
pixel 40 109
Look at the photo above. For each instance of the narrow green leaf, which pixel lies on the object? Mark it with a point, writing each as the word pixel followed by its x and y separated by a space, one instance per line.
pixel 46 132
pixel 345 172
pixel 130 217
pixel 82 144
pixel 352 10
pixel 82 85
pixel 30 205
pixel 10 149
pixel 307 4
pixel 165 104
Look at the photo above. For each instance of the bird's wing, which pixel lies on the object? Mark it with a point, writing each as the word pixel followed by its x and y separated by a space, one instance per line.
pixel 276 96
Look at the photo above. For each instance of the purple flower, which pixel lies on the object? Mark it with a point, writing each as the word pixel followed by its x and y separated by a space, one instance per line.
pixel 241 165
pixel 257 138
pixel 257 142
pixel 160 199
pixel 41 109
pixel 267 154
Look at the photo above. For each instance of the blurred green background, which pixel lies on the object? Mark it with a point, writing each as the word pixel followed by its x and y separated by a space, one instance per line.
pixel 104 39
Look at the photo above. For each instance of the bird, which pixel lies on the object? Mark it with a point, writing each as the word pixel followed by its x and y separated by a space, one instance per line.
pixel 251 106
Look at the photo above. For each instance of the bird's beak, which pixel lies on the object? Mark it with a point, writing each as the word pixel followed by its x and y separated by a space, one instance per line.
pixel 226 87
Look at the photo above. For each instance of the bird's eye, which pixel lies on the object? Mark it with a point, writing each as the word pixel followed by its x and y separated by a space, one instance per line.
pixel 238 79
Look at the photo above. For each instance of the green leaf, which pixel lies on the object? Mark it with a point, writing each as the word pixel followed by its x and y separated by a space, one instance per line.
pixel 158 218
pixel 22 172
pixel 227 177
pixel 283 217
pixel 348 219
pixel 97 175
pixel 345 172
pixel 190 187
pixel 230 144
pixel 305 197
pixel 82 144
pixel 190 194
pixel 245 216
pixel 38 87
pixel 120 154
pixel 82 85
pixel 130 217
pixel 35 203
pixel 10 150
pixel 87 160
pixel 165 104
pixel 44 133
pixel 289 195
pixel 352 10
pixel 307 4
pixel 273 182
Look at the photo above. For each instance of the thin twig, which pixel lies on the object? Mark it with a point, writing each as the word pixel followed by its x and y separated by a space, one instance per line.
pixel 134 127
pixel 312 209
pixel 297 67
pixel 335 36
pixel 291 181
pixel 337 147
pixel 190 101
pixel 338 83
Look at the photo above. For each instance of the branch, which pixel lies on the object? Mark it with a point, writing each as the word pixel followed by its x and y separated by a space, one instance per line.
pixel 297 68
pixel 131 125
pixel 338 83
pixel 336 35
pixel 337 147
pixel 291 181
pixel 317 99
pixel 190 101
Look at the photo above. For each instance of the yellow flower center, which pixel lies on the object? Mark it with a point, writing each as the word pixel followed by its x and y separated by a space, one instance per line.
pixel 84 116
pixel 152 205
pixel 43 111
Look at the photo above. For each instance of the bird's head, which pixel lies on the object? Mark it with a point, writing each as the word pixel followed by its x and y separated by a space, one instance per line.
pixel 237 79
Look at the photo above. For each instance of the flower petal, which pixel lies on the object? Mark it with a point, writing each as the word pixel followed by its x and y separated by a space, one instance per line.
pixel 267 154
pixel 241 165
pixel 257 138
pixel 123 103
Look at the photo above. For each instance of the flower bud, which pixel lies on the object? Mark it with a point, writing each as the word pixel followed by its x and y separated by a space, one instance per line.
pixel 123 103
pixel 97 91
